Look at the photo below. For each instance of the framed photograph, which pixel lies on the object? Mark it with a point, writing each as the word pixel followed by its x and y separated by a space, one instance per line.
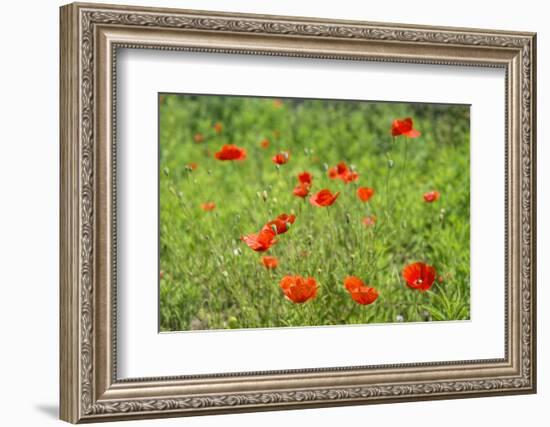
pixel 266 212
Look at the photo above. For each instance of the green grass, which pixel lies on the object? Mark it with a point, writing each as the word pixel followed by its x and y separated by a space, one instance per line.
pixel 212 280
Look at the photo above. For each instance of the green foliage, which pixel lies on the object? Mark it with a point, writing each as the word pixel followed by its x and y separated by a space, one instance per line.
pixel 212 280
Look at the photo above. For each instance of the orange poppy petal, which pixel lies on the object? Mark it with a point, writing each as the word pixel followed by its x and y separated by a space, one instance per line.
pixel 352 282
pixel 365 193
pixel 364 295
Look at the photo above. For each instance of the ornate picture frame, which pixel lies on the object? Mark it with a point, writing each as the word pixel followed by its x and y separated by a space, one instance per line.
pixel 90 37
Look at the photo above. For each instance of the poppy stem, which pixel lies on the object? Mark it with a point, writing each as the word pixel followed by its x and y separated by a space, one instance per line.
pixel 403 168
pixel 420 304
pixel 332 236
pixel 389 202
pixel 351 312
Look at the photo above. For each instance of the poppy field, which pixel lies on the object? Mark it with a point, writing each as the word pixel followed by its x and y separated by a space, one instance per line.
pixel 302 212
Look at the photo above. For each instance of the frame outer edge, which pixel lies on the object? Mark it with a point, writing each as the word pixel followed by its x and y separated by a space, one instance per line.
pixel 77 225
pixel 69 355
pixel 533 124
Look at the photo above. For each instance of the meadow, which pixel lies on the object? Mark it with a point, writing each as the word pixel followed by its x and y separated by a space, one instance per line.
pixel 388 242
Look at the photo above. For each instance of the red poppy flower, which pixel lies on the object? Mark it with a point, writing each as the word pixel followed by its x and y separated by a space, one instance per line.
pixel 260 242
pixel 301 190
pixel 338 171
pixel 360 292
pixel 208 206
pixel 287 218
pixel 404 127
pixel 199 137
pixel 341 171
pixel 299 289
pixel 305 178
pixel 364 295
pixel 369 221
pixel 218 127
pixel 365 193
pixel 323 198
pixel 270 262
pixel 419 276
pixel 281 158
pixel 264 143
pixel 350 177
pixel 281 224
pixel 231 152
pixel 431 196
pixel 192 166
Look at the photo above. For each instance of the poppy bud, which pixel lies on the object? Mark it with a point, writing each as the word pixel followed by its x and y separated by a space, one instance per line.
pixel 390 163
pixel 264 195
pixel 442 215
pixel 209 171
pixel 225 274
pixel 325 167
pixel 259 195
pixel 399 318
pixel 166 171
pixel 237 251
pixel 348 217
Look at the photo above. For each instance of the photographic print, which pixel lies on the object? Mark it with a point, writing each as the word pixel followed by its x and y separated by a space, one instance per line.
pixel 309 212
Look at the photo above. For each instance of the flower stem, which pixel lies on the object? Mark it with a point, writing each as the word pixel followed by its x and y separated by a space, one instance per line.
pixel 351 312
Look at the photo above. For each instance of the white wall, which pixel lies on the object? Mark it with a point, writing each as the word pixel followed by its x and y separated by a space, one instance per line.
pixel 29 170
